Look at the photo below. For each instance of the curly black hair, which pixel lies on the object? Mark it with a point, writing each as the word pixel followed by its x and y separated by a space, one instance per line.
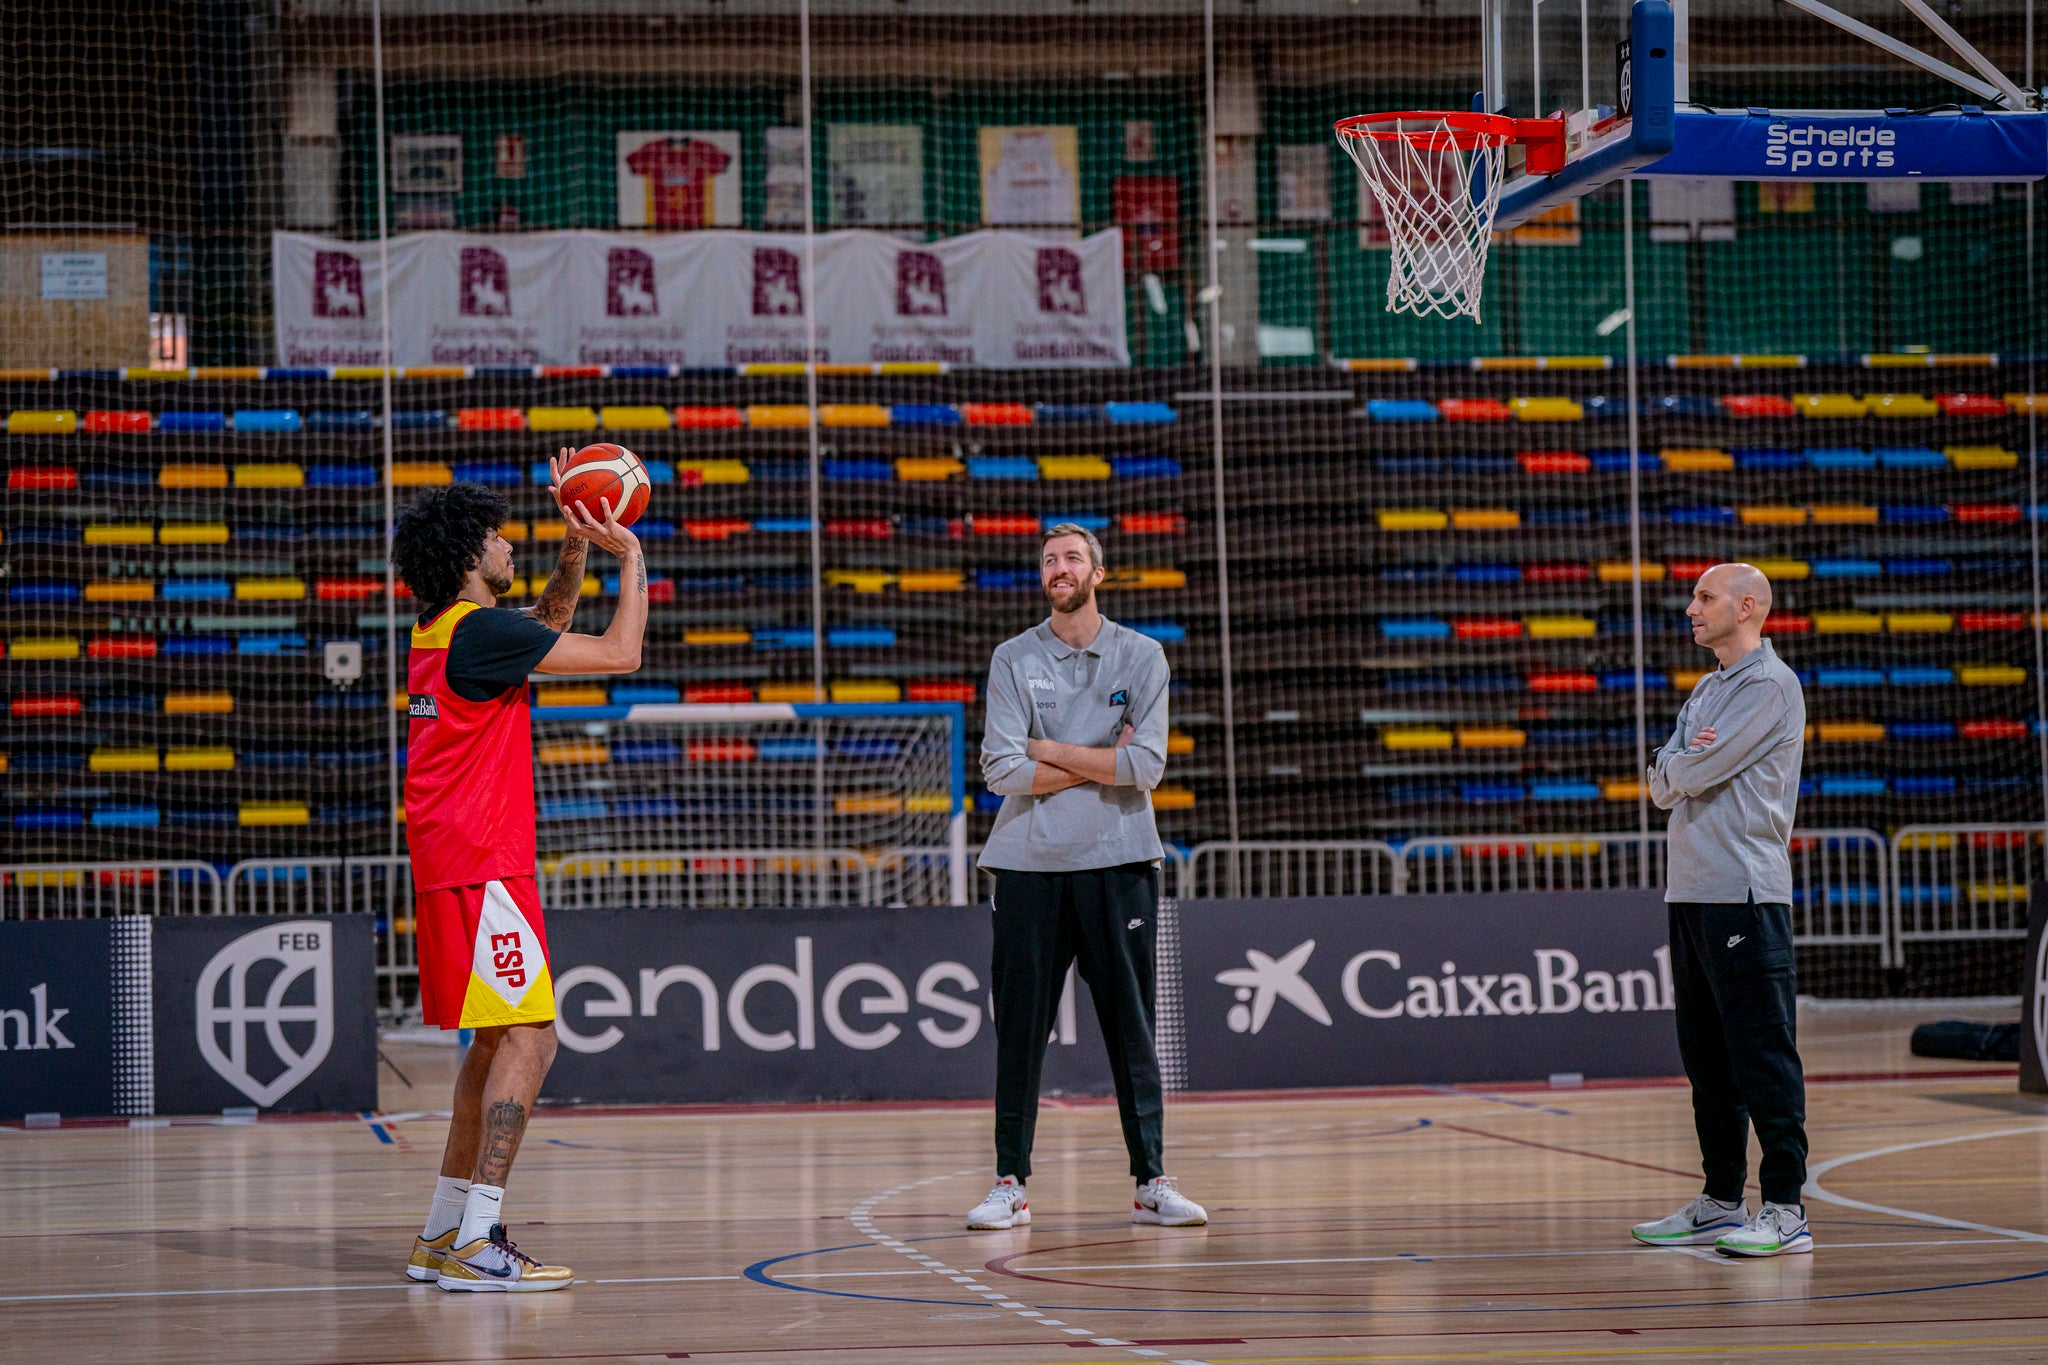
pixel 441 537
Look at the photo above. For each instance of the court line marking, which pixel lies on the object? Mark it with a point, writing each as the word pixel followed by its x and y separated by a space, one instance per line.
pixel 1815 1190
pixel 1591 1352
pixel 1484 1256
pixel 862 1218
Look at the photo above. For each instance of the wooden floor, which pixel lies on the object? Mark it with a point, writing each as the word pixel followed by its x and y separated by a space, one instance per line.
pixel 1428 1224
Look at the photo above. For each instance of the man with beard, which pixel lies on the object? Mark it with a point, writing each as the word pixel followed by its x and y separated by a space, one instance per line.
pixel 483 949
pixel 1075 743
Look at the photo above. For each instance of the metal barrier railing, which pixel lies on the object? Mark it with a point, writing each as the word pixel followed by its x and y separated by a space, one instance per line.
pixel 1841 890
pixel 378 885
pixel 101 890
pixel 738 878
pixel 1532 862
pixel 1962 882
pixel 1358 867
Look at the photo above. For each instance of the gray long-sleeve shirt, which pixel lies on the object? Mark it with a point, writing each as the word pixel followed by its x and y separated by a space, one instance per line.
pixel 1041 687
pixel 1732 802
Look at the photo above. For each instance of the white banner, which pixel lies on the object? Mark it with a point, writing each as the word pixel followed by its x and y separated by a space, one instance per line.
pixel 1001 300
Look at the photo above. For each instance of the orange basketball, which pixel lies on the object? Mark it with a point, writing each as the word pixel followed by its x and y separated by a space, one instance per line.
pixel 603 473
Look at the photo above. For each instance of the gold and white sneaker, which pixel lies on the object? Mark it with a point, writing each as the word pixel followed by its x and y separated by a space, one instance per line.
pixel 492 1265
pixel 427 1254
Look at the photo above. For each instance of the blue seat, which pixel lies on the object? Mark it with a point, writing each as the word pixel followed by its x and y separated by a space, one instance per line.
pixel 1850 677
pixel 1564 791
pixel 1845 568
pixel 1601 406
pixel 495 473
pixel 1416 682
pixel 419 419
pixel 1490 682
pixel 787 749
pixel 1144 467
pixel 1409 464
pixel 573 808
pixel 1910 457
pixel 48 817
pixel 1140 414
pixel 1165 632
pixel 1422 794
pixel 1001 467
pixel 783 637
pixel 1548 515
pixel 1005 580
pixel 1914 514
pixel 644 694
pixel 1492 793
pixel 1767 458
pixel 788 526
pixel 1413 573
pixel 327 420
pixel 1090 521
pixel 1624 680
pixel 646 750
pixel 44 590
pixel 924 415
pixel 1840 458
pixel 1702 516
pixel 1688 405
pixel 274 643
pixel 1919 568
pixel 778 471
pixel 341 476
pixel 1922 677
pixel 1849 784
pixel 1920 729
pixel 192 423
pixel 860 637
pixel 1924 786
pixel 273 420
pixel 1414 628
pixel 1485 466
pixel 197 590
pixel 860 471
pixel 1617 461
pixel 1487 573
pixel 1401 410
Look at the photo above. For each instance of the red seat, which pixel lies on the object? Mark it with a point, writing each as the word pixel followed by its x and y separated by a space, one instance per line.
pixel 1758 405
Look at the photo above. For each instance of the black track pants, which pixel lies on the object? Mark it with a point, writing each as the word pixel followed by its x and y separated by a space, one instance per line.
pixel 1044 921
pixel 1731 970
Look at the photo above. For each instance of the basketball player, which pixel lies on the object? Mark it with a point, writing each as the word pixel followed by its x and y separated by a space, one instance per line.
pixel 1075 743
pixel 469 828
pixel 1729 775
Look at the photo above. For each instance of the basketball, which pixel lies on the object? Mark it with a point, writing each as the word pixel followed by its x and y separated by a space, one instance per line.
pixel 603 473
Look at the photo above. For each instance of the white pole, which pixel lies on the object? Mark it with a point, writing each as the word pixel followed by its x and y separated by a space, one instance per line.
pixel 1635 530
pixel 1215 294
pixel 392 791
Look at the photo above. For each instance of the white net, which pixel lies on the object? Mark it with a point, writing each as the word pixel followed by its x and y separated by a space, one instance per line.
pixel 1436 180
pixel 742 805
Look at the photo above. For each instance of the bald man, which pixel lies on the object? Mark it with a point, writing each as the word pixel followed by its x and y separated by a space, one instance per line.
pixel 1729 775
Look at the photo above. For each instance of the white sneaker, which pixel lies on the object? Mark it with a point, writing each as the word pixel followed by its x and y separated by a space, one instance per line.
pixel 1159 1201
pixel 1700 1223
pixel 1777 1230
pixel 492 1265
pixel 1005 1207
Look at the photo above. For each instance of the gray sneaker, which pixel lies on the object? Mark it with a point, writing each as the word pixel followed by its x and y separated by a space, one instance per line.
pixel 1777 1230
pixel 1701 1223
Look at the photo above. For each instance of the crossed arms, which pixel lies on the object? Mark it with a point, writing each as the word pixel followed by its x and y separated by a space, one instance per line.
pixel 1013 763
pixel 1680 769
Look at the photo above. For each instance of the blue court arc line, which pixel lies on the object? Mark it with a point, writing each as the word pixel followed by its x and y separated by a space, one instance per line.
pixel 758 1272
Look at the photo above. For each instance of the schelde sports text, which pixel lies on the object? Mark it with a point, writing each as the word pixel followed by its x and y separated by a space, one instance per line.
pixel 1798 147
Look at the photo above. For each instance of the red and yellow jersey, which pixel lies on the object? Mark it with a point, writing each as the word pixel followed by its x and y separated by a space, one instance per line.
pixel 679 174
pixel 468 770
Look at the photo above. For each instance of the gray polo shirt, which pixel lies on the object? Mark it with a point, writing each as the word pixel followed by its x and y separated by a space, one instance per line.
pixel 1732 803
pixel 1041 687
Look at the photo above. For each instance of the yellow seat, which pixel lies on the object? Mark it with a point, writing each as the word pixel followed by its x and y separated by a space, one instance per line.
pixel 1847 623
pixel 551 530
pixel 270 589
pixel 574 752
pixel 1775 569
pixel 193 533
pixel 1148 578
pixel 853 415
pixel 1073 467
pixel 1998 893
pixel 43 647
pixel 1850 731
pixel 931 580
pixel 866 689
pixel 1491 737
pixel 1686 679
pixel 717 636
pixel 26 422
pixel 561 419
pixel 1901 405
pixel 928 468
pixel 933 803
pixel 2022 403
pixel 1824 405
pixel 591 586
pixel 1772 516
pixel 420 474
pixel 1179 742
pixel 633 418
pixel 271 475
pixel 516 589
pixel 123 533
pixel 1561 627
pixel 192 476
pixel 210 703
pixel 1620 571
pixel 199 759
pixel 274 813
pixel 867 803
pixel 514 531
pixel 1919 622
pixel 782 694
pixel 1982 457
pixel 574 694
pixel 1991 675
pixel 1705 461
pixel 120 590
pixel 1622 789
pixel 1547 409
pixel 1844 514
pixel 1485 518
pixel 1172 796
pixel 106 760
pixel 860 580
pixel 778 415
pixel 1412 519
pixel 1416 737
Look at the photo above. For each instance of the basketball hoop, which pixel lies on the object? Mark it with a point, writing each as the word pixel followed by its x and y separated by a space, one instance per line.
pixel 1436 177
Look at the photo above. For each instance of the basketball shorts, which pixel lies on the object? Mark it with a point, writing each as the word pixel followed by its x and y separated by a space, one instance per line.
pixel 484 955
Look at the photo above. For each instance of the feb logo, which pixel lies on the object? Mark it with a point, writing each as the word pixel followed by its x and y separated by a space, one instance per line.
pixel 920 285
pixel 1059 281
pixel 778 283
pixel 266 1008
pixel 486 283
pixel 629 284
pixel 337 285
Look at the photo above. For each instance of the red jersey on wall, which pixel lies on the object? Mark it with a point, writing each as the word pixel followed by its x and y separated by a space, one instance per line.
pixel 678 171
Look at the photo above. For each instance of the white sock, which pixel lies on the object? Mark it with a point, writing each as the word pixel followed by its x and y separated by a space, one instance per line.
pixel 484 1208
pixel 451 1196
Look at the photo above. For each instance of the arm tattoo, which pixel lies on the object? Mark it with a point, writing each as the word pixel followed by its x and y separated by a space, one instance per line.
pixel 640 571
pixel 557 604
pixel 504 1125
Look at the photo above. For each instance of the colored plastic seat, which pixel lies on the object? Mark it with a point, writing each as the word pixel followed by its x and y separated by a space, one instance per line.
pixel 1910 457
pixel 1970 405
pixel 1485 518
pixel 275 421
pixel 1843 514
pixel 1697 461
pixel 996 414
pixel 1913 515
pixel 1901 405
pixel 1547 409
pixel 1772 516
pixel 1823 406
pixel 327 420
pixel 924 415
pixel 1982 457
pixel 1140 414
pixel 1768 459
pixel 124 422
pixel 853 415
pixel 1758 405
pixel 561 419
pixel 1073 467
pixel 635 417
pixel 1401 410
pixel 1846 568
pixel 1917 676
pixel 1840 459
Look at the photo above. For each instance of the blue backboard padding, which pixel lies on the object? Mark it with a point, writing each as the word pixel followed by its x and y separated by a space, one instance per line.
pixel 1857 145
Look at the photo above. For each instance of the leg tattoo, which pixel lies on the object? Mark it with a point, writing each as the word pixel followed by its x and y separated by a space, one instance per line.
pixel 504 1126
